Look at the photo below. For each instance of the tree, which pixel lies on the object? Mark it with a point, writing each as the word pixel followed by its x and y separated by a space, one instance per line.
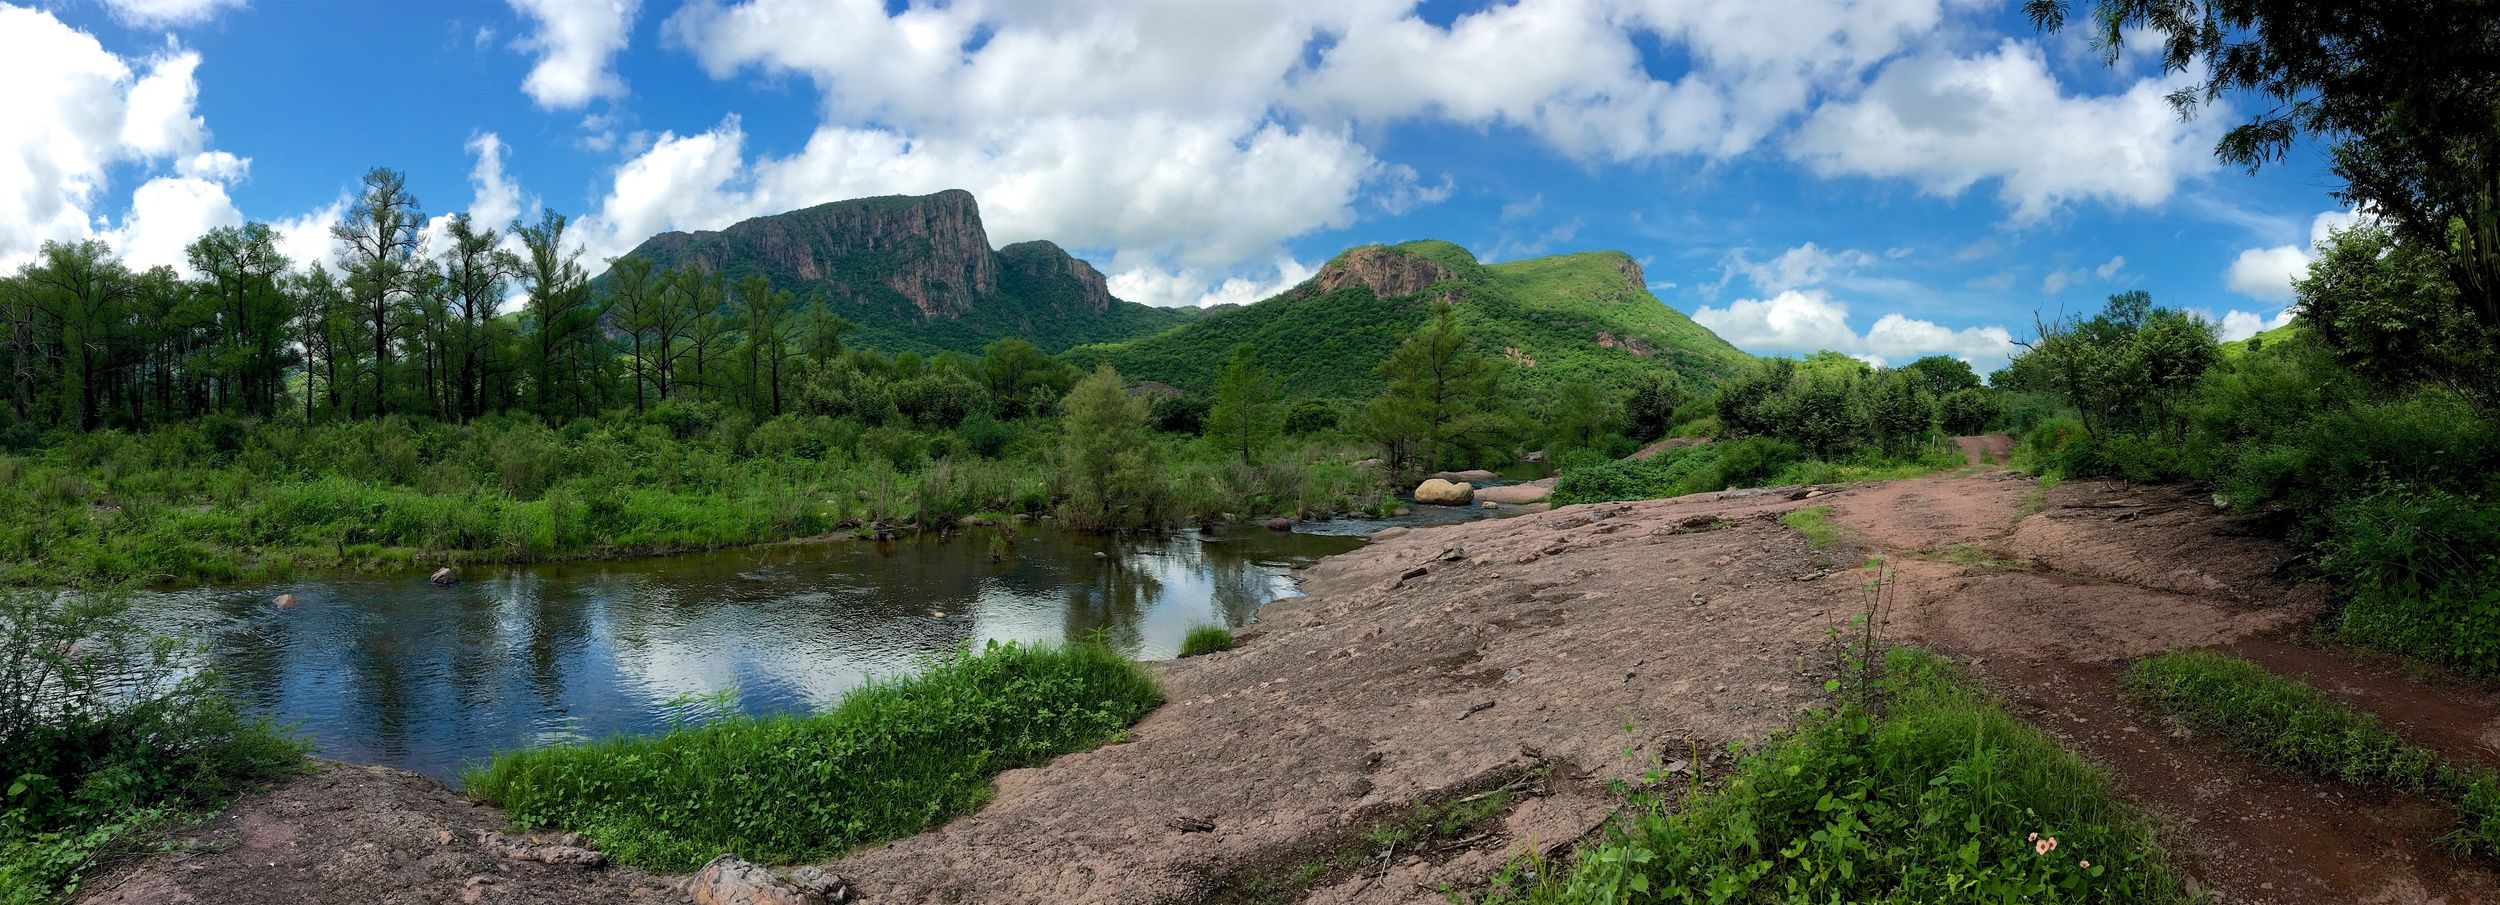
pixel 475 271
pixel 1943 375
pixel 2388 311
pixel 2403 91
pixel 636 300
pixel 563 313
pixel 241 266
pixel 764 315
pixel 1022 380
pixel 78 291
pixel 1113 476
pixel 1443 404
pixel 824 331
pixel 1578 420
pixel 383 237
pixel 1243 418
pixel 1650 410
pixel 1900 411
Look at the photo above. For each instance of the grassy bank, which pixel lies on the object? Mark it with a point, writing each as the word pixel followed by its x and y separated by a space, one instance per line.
pixel 1937 796
pixel 894 758
pixel 2280 720
pixel 1751 462
pixel 105 738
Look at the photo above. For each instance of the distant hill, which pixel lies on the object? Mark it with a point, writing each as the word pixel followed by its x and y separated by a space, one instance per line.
pixel 2276 336
pixel 1563 318
pixel 918 273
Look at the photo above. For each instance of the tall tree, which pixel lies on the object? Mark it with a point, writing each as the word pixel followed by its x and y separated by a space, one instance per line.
pixel 636 299
pixel 1443 405
pixel 565 317
pixel 764 315
pixel 81 288
pixel 1112 475
pixel 383 238
pixel 1243 419
pixel 476 270
pixel 241 266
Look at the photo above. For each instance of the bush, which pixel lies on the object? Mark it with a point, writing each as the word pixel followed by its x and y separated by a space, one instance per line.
pixel 893 758
pixel 105 734
pixel 1206 639
pixel 2421 569
pixel 1311 416
pixel 1969 411
pixel 1942 797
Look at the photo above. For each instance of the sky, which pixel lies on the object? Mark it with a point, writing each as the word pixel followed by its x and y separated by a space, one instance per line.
pixel 1888 179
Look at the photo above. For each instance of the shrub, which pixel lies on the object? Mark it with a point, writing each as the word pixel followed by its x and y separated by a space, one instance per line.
pixel 2421 569
pixel 1311 416
pixel 1941 797
pixel 1969 411
pixel 1206 639
pixel 893 758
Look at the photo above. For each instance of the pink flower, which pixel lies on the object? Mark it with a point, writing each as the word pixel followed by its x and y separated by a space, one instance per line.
pixel 2042 847
pixel 2087 865
pixel 2035 837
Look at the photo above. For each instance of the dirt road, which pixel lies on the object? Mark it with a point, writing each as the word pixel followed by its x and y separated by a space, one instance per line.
pixel 1547 655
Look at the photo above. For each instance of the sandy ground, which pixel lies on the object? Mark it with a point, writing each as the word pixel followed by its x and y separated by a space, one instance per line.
pixel 1551 654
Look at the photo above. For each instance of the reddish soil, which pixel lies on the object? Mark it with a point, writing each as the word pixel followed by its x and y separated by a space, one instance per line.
pixel 1557 652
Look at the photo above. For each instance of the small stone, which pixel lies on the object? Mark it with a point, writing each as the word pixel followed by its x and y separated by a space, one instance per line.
pixel 444 577
pixel 1476 708
pixel 1677 766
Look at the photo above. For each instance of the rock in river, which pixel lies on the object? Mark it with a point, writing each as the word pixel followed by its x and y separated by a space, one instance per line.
pixel 1444 493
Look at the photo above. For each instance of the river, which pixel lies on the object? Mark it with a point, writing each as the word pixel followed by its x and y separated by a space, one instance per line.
pixel 433 679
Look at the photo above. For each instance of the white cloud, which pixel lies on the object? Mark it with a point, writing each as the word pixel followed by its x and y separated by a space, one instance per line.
pixel 157 13
pixel 166 214
pixel 576 42
pixel 2238 325
pixel 1947 123
pixel 1808 320
pixel 1156 286
pixel 1402 189
pixel 305 238
pixel 2109 271
pixel 1804 265
pixel 76 111
pixel 2266 274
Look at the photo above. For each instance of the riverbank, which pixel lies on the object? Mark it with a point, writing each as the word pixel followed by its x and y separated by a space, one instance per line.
pixel 1451 662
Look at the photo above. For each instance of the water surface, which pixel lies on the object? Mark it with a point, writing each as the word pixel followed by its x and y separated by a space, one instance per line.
pixel 399 672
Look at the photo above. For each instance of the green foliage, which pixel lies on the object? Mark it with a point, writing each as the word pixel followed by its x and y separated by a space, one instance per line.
pixel 1114 477
pixel 104 735
pixel 2421 568
pixel 1206 639
pixel 1940 797
pixel 893 758
pixel 1650 411
pixel 2280 720
pixel 1969 411
pixel 1815 523
pixel 1312 416
pixel 1243 419
pixel 1443 407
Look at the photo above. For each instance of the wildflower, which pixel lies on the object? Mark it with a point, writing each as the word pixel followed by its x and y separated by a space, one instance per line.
pixel 2086 865
pixel 2041 847
pixel 2035 837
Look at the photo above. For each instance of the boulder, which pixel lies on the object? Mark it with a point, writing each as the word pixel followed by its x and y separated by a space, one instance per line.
pixel 444 577
pixel 1526 492
pixel 730 880
pixel 284 601
pixel 1470 476
pixel 1443 492
pixel 1280 524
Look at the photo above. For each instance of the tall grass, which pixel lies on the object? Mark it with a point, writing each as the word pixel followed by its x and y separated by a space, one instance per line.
pixel 1206 639
pixel 1940 797
pixel 2281 720
pixel 893 758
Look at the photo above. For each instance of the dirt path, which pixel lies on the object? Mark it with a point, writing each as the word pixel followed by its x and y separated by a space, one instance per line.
pixel 1549 654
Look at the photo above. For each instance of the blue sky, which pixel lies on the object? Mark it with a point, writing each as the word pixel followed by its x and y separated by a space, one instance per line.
pixel 1890 179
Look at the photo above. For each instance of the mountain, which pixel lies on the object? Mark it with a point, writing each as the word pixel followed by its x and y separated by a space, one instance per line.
pixel 918 273
pixel 1578 317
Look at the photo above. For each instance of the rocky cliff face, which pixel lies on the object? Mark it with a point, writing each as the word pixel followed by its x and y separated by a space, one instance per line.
pixel 1387 272
pixel 1041 261
pixel 931 250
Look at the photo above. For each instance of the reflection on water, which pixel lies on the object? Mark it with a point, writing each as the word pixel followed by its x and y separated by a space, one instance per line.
pixel 431 679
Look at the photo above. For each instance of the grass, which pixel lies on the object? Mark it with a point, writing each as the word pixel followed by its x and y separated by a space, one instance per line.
pixel 1374 844
pixel 1935 796
pixel 893 758
pixel 1815 523
pixel 1206 639
pixel 2280 720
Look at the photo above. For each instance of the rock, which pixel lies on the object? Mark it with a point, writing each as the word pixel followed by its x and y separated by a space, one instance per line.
pixel 1452 553
pixel 444 577
pixel 1416 572
pixel 525 850
pixel 1489 504
pixel 1391 533
pixel 1280 524
pixel 1440 492
pixel 1101 555
pixel 972 521
pixel 1536 491
pixel 283 601
pixel 1387 272
pixel 730 880
pixel 1476 708
pixel 1470 476
pixel 1537 456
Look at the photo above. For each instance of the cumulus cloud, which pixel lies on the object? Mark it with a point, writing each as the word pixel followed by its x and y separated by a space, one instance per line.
pixel 160 13
pixel 166 214
pixel 305 238
pixel 1807 320
pixel 78 111
pixel 2266 274
pixel 1804 265
pixel 2238 325
pixel 576 42
pixel 1947 123
pixel 1156 286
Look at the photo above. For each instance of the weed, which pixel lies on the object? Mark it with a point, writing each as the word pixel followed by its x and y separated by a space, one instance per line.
pixel 1815 523
pixel 1206 639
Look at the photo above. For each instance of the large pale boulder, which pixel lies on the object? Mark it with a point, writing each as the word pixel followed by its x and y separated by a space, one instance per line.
pixel 1444 493
pixel 1518 494
pixel 729 880
pixel 1470 476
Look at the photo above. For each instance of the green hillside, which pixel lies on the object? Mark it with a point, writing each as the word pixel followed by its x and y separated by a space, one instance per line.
pixel 2276 336
pixel 1563 318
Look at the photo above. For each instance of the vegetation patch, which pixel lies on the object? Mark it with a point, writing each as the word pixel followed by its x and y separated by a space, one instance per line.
pixel 1427 826
pixel 1816 524
pixel 1935 794
pixel 1206 639
pixel 893 758
pixel 105 737
pixel 2282 721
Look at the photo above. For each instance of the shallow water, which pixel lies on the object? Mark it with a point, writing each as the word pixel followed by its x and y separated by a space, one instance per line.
pixel 399 672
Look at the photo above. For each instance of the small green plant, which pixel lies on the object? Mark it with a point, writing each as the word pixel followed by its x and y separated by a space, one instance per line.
pixel 2281 720
pixel 1942 797
pixel 1206 639
pixel 893 758
pixel 1815 523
